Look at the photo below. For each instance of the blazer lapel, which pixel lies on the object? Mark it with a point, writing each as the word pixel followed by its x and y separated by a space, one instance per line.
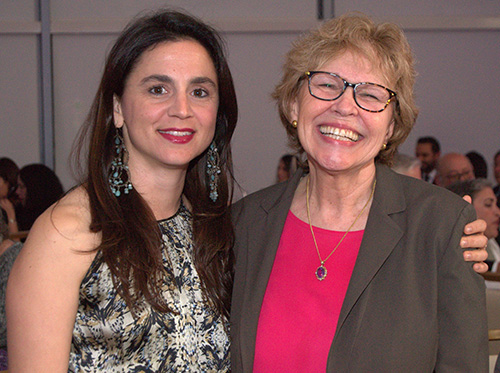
pixel 263 240
pixel 380 238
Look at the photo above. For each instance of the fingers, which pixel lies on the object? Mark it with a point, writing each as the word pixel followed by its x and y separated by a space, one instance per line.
pixel 477 226
pixel 468 198
pixel 480 267
pixel 474 242
pixel 476 255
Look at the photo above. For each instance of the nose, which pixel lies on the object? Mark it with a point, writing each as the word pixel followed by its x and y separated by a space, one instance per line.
pixel 345 104
pixel 180 106
pixel 497 210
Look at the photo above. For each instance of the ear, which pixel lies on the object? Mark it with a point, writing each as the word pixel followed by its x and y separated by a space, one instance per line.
pixel 390 131
pixel 293 110
pixel 117 112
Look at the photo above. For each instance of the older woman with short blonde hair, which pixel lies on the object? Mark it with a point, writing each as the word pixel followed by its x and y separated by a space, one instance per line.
pixel 348 266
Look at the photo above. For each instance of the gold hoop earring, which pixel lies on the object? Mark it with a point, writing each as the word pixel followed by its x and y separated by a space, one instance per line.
pixel 384 146
pixel 295 123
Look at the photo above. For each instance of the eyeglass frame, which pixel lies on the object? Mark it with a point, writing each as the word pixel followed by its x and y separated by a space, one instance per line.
pixel 455 176
pixel 309 75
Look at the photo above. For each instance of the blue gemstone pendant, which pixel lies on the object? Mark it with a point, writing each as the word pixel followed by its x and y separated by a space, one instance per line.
pixel 321 272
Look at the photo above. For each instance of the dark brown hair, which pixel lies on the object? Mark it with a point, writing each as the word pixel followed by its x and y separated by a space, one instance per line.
pixel 9 172
pixel 131 237
pixel 43 188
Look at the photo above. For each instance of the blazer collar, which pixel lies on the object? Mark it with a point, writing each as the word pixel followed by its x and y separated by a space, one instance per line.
pixel 285 196
pixel 381 236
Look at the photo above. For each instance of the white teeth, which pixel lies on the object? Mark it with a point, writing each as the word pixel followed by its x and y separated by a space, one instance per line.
pixel 339 134
pixel 176 133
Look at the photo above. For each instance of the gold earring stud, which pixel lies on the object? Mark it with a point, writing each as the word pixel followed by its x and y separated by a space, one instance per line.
pixel 384 146
pixel 295 123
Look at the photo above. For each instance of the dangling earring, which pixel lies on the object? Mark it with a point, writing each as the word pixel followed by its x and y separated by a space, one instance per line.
pixel 119 176
pixel 213 170
pixel 295 123
pixel 384 146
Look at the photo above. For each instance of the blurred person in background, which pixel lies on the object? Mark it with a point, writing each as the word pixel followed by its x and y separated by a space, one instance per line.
pixel 485 203
pixel 38 188
pixel 496 172
pixel 8 199
pixel 405 165
pixel 453 167
pixel 428 152
pixel 286 167
pixel 479 164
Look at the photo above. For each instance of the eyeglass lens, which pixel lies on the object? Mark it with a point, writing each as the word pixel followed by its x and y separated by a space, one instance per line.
pixel 330 87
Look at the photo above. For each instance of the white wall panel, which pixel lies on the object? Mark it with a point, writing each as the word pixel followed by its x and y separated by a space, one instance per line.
pixel 457 91
pixel 456 47
pixel 210 10
pixel 78 64
pixel 19 95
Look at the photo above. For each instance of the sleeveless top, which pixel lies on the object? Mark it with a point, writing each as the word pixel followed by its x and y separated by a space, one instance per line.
pixel 107 338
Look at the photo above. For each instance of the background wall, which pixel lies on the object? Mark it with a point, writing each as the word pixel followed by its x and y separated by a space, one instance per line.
pixel 457 48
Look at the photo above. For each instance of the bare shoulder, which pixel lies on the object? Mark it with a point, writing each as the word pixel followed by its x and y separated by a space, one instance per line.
pixel 61 236
pixel 43 286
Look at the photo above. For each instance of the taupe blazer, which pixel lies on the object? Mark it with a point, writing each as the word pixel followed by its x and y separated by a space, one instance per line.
pixel 413 304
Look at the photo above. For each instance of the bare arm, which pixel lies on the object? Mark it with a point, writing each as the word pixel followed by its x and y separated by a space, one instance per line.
pixel 475 239
pixel 43 289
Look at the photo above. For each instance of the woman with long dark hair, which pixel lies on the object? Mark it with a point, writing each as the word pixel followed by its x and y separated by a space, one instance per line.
pixel 132 270
pixel 38 187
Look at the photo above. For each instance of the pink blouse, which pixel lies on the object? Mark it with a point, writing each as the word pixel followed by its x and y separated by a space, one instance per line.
pixel 299 313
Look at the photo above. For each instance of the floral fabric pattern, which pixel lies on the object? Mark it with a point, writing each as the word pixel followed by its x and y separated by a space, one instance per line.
pixel 192 338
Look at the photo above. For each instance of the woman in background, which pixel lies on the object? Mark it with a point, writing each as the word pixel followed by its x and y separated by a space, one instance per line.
pixel 8 199
pixel 131 271
pixel 286 167
pixel 485 203
pixel 38 188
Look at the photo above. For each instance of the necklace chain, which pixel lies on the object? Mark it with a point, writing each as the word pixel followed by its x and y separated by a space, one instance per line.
pixel 321 270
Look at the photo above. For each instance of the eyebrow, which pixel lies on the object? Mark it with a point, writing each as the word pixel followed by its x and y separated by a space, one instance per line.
pixel 167 79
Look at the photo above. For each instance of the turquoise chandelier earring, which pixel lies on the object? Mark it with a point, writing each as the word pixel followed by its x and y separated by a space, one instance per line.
pixel 213 170
pixel 119 175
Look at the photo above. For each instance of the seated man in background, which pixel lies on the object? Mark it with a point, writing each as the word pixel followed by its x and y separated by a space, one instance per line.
pixel 453 167
pixel 428 151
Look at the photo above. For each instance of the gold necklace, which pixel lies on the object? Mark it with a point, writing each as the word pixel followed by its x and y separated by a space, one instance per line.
pixel 321 270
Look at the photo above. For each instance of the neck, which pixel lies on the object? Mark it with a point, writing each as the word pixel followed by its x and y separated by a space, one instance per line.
pixel 161 190
pixel 336 200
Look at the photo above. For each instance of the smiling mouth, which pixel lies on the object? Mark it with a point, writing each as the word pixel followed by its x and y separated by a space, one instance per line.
pixel 176 133
pixel 339 133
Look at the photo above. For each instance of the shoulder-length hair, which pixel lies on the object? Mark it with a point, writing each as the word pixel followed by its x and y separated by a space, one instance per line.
pixel 130 235
pixel 43 188
pixel 384 45
pixel 9 172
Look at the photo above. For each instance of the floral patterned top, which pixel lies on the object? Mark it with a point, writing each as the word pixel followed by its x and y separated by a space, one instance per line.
pixel 107 338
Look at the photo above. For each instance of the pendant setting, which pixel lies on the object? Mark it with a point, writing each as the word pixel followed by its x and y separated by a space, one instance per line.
pixel 321 272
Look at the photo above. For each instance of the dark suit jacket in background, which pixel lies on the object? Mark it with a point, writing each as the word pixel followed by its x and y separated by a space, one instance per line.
pixel 412 305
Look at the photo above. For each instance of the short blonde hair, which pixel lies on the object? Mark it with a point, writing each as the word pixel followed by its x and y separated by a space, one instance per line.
pixel 384 44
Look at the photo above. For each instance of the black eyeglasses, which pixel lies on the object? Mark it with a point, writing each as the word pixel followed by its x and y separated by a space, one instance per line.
pixel 327 86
